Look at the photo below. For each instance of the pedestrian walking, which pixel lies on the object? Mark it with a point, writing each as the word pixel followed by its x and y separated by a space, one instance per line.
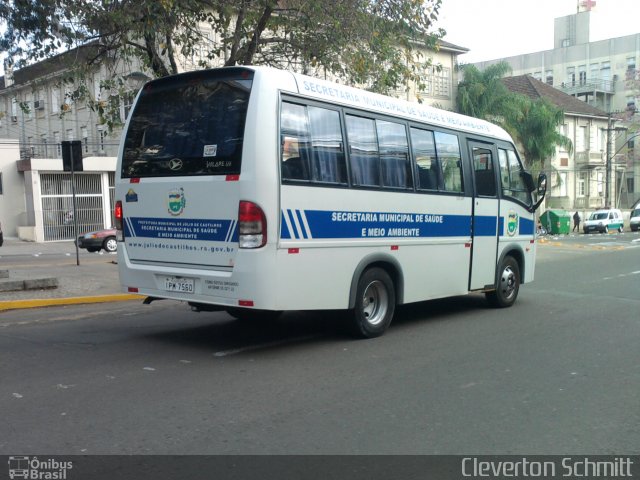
pixel 576 222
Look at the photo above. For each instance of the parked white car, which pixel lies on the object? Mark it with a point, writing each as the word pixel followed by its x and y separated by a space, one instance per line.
pixel 634 221
pixel 604 221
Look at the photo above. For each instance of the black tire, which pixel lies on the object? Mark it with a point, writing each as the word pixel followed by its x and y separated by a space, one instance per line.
pixel 508 284
pixel 110 244
pixel 249 315
pixel 375 304
pixel 605 229
pixel 93 249
pixel 620 229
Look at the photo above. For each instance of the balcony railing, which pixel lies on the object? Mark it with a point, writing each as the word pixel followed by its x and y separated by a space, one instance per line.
pixel 590 159
pixel 588 86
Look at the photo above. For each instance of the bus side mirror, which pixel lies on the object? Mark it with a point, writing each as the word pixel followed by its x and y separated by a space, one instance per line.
pixel 541 190
pixel 542 185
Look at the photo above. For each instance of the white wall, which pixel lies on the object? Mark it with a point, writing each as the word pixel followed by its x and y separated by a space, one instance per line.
pixel 13 211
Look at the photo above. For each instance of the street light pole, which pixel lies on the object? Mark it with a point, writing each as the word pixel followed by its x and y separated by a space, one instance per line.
pixel 608 163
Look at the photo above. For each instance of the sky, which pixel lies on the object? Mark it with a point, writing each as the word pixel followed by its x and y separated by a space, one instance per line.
pixel 493 29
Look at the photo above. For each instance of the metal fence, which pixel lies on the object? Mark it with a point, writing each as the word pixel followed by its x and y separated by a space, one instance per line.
pixel 57 204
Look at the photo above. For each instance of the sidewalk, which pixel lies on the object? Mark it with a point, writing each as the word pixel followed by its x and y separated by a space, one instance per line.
pixel 94 280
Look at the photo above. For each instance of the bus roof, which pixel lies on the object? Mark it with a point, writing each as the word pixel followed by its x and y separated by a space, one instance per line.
pixel 357 98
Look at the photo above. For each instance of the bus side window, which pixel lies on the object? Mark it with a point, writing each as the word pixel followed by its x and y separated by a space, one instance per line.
pixel 363 148
pixel 394 154
pixel 448 151
pixel 294 142
pixel 327 153
pixel 424 153
pixel 485 176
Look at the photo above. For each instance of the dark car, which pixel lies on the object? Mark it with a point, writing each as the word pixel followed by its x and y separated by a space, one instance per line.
pixel 95 241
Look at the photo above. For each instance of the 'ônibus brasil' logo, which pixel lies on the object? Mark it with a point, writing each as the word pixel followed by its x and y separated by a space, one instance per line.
pixel 177 202
pixel 512 223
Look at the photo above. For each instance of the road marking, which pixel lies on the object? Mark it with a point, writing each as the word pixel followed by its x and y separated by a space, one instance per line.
pixel 260 346
pixel 622 275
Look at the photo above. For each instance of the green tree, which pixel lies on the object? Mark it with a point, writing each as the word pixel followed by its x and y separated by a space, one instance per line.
pixel 532 123
pixel 482 94
pixel 535 127
pixel 376 43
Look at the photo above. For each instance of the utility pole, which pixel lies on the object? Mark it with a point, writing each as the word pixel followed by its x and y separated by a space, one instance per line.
pixel 608 163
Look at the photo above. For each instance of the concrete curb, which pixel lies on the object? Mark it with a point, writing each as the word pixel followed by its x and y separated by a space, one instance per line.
pixel 49 302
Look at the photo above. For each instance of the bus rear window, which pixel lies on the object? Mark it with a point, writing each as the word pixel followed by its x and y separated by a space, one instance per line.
pixel 188 125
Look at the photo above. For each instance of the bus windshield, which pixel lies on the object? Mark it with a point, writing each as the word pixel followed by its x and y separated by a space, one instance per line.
pixel 188 125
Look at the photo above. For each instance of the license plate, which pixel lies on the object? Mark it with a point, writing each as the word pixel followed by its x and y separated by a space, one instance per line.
pixel 175 284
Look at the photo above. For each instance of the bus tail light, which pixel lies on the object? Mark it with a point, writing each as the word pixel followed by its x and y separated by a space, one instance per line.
pixel 117 213
pixel 252 225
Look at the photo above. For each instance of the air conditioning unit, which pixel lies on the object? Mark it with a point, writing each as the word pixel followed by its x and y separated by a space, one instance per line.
pixel 38 105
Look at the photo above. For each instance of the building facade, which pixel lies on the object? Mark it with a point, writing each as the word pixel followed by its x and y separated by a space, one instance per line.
pixel 577 176
pixel 604 74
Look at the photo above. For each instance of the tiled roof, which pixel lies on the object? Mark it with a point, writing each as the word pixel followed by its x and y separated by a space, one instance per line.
pixel 451 47
pixel 535 89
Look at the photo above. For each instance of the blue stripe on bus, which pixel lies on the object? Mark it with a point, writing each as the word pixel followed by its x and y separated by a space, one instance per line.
pixel 485 226
pixel 284 229
pixel 526 226
pixel 338 224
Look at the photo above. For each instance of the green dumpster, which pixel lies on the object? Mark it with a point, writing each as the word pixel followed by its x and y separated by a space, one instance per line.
pixel 556 221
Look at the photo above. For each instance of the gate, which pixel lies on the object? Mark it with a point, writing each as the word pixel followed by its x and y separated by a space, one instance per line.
pixel 57 204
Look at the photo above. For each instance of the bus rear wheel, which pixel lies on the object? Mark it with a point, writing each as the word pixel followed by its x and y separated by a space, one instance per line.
pixel 375 304
pixel 508 284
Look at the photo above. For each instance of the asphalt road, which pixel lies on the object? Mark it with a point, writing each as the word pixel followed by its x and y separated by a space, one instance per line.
pixel 558 373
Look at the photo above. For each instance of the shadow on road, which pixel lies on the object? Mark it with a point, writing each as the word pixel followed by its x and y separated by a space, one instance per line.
pixel 222 333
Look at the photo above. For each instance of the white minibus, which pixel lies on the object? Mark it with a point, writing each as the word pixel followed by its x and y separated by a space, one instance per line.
pixel 257 191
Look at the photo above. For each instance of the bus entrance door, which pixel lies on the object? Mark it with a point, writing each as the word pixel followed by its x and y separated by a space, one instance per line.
pixel 485 216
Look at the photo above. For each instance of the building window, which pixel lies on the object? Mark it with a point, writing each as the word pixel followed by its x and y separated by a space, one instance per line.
pixel 537 75
pixel 600 183
pixel 631 63
pixel 43 145
pixel 580 192
pixel 582 73
pixel 56 141
pixel 101 136
pixel 605 74
pixel 549 77
pixel 85 139
pixel 55 100
pixel 571 76
pixel 28 103
pixel 562 187
pixel 442 82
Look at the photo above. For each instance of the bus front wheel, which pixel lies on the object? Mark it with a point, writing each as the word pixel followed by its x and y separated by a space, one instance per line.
pixel 375 304
pixel 508 284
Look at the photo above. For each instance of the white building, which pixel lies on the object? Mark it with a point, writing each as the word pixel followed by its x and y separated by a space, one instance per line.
pixel 577 177
pixel 603 74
